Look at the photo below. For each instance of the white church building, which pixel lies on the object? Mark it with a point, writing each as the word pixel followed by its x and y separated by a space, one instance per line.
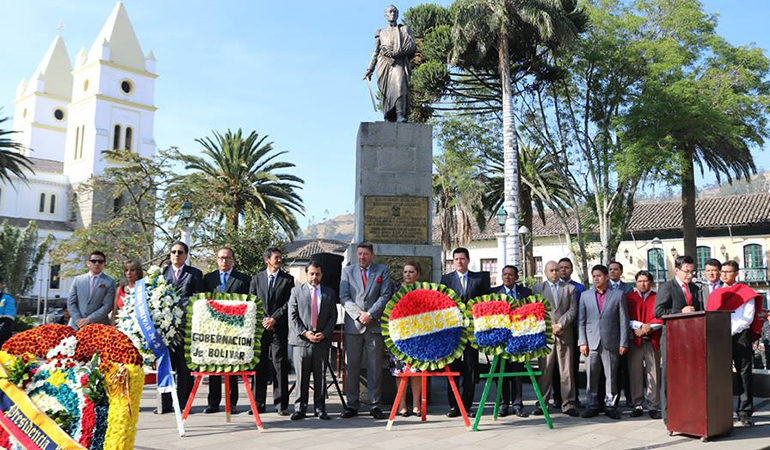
pixel 66 114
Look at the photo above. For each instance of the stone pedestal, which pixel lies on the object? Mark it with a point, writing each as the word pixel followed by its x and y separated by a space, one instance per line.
pixel 394 207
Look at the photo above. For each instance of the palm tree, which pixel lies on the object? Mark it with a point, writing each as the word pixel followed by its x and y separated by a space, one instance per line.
pixel 12 162
pixel 539 185
pixel 243 171
pixel 485 27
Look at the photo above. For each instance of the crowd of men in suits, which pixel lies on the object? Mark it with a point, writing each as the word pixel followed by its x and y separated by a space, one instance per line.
pixel 616 326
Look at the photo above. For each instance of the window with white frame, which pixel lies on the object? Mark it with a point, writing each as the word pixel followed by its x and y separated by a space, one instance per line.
pixel 656 264
pixel 753 264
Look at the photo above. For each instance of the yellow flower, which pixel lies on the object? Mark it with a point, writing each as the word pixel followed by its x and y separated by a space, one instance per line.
pixel 123 411
pixel 57 378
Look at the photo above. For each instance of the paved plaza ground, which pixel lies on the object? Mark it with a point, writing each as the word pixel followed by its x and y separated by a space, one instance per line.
pixel 210 430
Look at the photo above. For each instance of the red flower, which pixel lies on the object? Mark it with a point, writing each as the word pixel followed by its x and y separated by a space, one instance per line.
pixel 379 279
pixel 532 309
pixel 491 308
pixel 230 310
pixel 421 301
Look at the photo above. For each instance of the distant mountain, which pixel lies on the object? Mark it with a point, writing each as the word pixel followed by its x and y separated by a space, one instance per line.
pixel 340 228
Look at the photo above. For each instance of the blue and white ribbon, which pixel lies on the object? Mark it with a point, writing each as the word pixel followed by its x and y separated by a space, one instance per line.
pixel 153 338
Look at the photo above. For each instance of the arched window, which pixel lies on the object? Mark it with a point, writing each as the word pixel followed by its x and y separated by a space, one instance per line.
pixel 52 206
pixel 656 264
pixel 702 254
pixel 116 138
pixel 42 203
pixel 753 263
pixel 129 135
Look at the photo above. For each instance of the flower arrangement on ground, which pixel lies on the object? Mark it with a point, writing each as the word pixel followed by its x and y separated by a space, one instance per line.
pixel 424 325
pixel 83 392
pixel 224 332
pixel 165 311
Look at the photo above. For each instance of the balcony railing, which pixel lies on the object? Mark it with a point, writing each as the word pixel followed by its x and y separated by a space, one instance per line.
pixel 753 275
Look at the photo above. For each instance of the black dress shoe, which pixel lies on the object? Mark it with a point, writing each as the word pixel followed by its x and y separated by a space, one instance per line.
pixel 637 412
pixel 261 409
pixel 283 412
pixel 572 412
pixel 347 413
pixel 745 420
pixel 163 410
pixel 519 412
pixel 377 413
pixel 453 412
pixel 654 414
pixel 590 412
pixel 211 409
pixel 612 413
pixel 504 411
pixel 234 410
pixel 321 414
pixel 538 411
pixel 298 415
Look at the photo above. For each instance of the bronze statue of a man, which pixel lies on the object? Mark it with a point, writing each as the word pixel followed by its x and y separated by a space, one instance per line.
pixel 393 48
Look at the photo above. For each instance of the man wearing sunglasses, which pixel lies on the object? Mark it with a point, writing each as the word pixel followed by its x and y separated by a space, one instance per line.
pixel 91 295
pixel 188 281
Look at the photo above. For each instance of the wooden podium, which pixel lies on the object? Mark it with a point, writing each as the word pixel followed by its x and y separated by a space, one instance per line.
pixel 699 373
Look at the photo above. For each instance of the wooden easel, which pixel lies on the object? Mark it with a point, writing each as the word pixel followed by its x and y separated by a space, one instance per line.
pixel 226 376
pixel 423 396
pixel 500 375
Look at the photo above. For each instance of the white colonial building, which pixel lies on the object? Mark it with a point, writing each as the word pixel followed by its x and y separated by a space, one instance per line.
pixel 66 115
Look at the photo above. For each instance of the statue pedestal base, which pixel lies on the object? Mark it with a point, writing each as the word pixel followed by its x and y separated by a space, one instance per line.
pixel 394 189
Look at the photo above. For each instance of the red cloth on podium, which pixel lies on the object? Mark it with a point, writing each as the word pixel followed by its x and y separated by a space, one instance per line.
pixel 733 297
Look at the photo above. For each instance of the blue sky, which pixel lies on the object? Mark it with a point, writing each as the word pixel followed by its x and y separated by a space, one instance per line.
pixel 288 69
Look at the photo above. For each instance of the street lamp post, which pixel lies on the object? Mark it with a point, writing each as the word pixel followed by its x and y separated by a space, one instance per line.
pixel 185 215
pixel 502 237
pixel 523 233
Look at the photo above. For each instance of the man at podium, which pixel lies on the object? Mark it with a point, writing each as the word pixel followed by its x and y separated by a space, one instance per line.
pixel 678 295
pixel 745 327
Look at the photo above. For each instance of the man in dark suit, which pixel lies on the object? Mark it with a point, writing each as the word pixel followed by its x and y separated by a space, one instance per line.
pixel 224 280
pixel 512 392
pixel 467 285
pixel 603 336
pixel 313 316
pixel 678 295
pixel 273 287
pixel 187 280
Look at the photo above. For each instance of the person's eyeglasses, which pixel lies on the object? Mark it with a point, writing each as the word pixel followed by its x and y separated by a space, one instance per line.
pixel 178 252
pixel 96 261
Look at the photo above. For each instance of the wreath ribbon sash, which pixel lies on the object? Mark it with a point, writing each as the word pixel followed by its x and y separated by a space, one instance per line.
pixel 26 423
pixel 154 340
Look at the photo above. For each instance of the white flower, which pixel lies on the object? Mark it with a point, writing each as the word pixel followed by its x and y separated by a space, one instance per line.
pixel 66 347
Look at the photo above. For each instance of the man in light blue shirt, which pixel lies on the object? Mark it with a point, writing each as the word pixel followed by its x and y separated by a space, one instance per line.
pixel 7 314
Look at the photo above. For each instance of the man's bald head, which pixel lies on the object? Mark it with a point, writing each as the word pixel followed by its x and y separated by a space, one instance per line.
pixel 552 271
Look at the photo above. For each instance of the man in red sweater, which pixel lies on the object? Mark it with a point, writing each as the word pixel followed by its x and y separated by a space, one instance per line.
pixel 644 358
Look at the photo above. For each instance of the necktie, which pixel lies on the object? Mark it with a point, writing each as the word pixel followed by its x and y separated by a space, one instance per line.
pixel 555 294
pixel 600 301
pixel 714 286
pixel 177 273
pixel 363 276
pixel 512 293
pixel 463 282
pixel 270 282
pixel 687 295
pixel 313 308
pixel 91 285
pixel 224 281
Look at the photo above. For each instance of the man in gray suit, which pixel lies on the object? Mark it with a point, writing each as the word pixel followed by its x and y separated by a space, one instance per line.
pixel 564 308
pixel 312 317
pixel 603 336
pixel 364 289
pixel 91 294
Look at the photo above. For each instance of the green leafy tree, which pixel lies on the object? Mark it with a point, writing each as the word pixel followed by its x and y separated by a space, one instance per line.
pixel 704 102
pixel 21 252
pixel 241 171
pixel 12 162
pixel 130 224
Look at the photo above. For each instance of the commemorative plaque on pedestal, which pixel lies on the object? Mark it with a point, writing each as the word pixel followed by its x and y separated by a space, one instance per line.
pixel 394 189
